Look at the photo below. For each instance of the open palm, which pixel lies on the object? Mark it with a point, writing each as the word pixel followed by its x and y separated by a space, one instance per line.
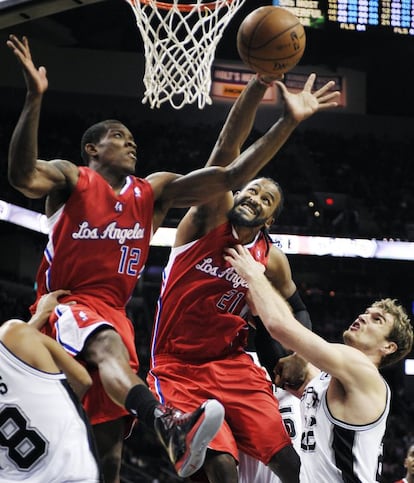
pixel 36 79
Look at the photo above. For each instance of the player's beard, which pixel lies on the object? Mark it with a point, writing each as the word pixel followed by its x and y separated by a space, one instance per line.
pixel 238 219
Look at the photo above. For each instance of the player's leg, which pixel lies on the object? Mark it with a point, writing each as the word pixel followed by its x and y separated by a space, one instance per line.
pixel 106 351
pixel 253 471
pixel 185 436
pixel 286 464
pixel 255 418
pixel 109 439
pixel 186 385
pixel 220 467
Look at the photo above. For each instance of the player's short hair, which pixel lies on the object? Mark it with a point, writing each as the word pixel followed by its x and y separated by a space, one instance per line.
pixel 279 207
pixel 94 134
pixel 401 332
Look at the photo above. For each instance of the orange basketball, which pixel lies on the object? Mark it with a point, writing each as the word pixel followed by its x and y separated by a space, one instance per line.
pixel 271 40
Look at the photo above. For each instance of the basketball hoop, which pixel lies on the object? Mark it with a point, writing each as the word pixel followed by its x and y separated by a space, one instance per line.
pixel 180 40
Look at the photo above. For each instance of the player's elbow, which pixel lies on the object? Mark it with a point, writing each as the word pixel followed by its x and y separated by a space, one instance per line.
pixel 24 183
pixel 16 179
pixel 83 384
pixel 235 178
pixel 87 381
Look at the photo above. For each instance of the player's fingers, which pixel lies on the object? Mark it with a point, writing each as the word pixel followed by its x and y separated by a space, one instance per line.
pixel 331 97
pixel 60 292
pixel 15 43
pixel 309 82
pixel 325 88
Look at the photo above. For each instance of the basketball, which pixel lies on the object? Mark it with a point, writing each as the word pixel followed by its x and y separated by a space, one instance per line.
pixel 271 40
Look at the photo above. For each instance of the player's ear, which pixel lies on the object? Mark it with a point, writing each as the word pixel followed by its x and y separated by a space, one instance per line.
pixel 269 222
pixel 389 347
pixel 90 149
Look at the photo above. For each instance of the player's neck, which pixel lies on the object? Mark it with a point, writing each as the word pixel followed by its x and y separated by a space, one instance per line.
pixel 116 180
pixel 246 234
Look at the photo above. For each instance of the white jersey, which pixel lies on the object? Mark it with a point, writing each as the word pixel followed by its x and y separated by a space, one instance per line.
pixel 332 450
pixel 44 437
pixel 252 470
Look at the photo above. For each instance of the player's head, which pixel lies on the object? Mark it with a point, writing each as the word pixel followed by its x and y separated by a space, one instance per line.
pixel 109 141
pixel 384 330
pixel 257 204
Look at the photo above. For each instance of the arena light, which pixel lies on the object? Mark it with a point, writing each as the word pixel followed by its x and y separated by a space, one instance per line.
pixel 290 244
pixel 409 367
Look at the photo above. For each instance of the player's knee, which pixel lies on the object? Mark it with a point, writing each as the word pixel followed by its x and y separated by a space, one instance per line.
pixel 102 345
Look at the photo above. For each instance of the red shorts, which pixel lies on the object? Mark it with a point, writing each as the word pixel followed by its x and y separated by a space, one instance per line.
pixel 252 422
pixel 71 325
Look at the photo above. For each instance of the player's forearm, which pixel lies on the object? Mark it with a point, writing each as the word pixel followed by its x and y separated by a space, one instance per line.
pixel 78 377
pixel 80 383
pixel 23 149
pixel 271 308
pixel 238 124
pixel 268 350
pixel 254 158
pixel 38 320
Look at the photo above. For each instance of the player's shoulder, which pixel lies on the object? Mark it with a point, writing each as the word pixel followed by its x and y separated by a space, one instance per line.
pixel 276 253
pixel 13 328
pixel 278 266
pixel 68 168
pixel 13 325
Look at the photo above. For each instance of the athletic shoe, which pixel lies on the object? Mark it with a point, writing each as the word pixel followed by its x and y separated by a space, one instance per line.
pixel 186 435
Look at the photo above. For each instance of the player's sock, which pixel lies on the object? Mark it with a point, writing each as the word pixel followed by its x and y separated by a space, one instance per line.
pixel 140 402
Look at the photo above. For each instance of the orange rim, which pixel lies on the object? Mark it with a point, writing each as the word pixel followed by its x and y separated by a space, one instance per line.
pixel 182 7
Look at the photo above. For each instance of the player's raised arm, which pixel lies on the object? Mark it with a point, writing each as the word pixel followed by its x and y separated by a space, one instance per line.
pixel 202 185
pixel 348 364
pixel 238 124
pixel 32 177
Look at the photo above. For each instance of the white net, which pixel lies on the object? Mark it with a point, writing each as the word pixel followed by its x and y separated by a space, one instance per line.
pixel 180 40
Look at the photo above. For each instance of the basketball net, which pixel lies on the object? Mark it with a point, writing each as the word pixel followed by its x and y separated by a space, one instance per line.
pixel 180 41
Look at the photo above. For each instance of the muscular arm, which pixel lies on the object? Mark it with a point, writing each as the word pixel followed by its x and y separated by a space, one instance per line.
pixel 279 273
pixel 32 177
pixel 357 380
pixel 203 185
pixel 238 124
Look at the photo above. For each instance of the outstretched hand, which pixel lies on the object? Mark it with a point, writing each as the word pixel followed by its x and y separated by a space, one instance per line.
pixel 303 104
pixel 241 259
pixel 36 79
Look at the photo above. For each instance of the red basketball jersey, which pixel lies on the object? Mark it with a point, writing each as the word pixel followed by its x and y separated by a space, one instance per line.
pixel 199 312
pixel 99 241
